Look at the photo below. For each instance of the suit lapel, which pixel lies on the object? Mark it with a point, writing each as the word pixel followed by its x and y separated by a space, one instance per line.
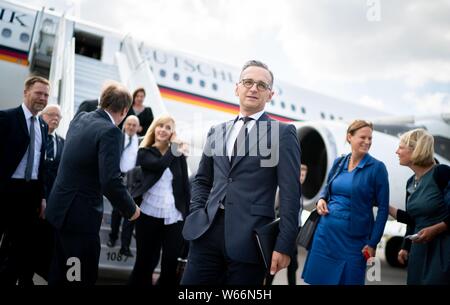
pixel 226 129
pixel 22 121
pixel 44 132
pixel 59 147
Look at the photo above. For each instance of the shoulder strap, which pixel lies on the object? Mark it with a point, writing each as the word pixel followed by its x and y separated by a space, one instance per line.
pixel 338 167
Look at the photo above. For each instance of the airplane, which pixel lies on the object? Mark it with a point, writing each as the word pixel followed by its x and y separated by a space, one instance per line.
pixel 78 57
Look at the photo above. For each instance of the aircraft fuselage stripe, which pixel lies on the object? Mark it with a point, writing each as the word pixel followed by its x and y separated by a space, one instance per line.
pixel 211 103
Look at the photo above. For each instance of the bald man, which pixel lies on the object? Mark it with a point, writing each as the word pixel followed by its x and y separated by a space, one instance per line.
pixel 55 144
pixel 127 162
pixel 51 114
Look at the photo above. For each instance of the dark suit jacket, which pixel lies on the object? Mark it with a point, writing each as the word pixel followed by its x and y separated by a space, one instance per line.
pixel 154 164
pixel 14 142
pixel 89 168
pixel 247 189
pixel 145 119
pixel 88 106
pixel 51 166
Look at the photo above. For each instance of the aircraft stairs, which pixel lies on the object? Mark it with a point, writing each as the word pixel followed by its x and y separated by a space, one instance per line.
pixel 90 74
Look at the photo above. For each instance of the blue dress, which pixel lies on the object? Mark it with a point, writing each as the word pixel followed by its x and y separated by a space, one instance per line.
pixel 335 257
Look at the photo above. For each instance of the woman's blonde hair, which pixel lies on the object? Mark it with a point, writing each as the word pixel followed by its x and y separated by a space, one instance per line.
pixel 358 124
pixel 149 138
pixel 421 142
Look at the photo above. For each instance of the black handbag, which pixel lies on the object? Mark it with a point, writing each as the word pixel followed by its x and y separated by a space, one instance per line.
pixel 306 234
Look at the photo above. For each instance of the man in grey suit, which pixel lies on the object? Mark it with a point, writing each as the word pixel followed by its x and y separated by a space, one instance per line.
pixel 89 169
pixel 234 190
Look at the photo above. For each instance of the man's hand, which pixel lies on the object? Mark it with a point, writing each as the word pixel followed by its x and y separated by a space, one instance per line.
pixel 279 261
pixel 136 214
pixel 42 209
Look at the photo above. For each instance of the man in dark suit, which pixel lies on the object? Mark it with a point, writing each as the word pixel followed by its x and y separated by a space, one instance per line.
pixel 22 149
pixel 55 144
pixel 130 146
pixel 88 170
pixel 88 106
pixel 234 190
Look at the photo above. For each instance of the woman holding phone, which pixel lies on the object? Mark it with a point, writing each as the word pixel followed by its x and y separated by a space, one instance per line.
pixel 347 233
pixel 427 244
pixel 164 205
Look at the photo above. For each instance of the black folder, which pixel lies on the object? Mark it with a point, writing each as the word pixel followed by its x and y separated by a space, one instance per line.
pixel 266 237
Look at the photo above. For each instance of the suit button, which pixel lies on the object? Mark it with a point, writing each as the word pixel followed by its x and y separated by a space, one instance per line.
pixel 230 180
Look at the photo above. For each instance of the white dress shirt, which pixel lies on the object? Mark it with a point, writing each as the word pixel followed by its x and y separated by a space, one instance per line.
pixel 237 127
pixel 55 144
pixel 20 170
pixel 159 201
pixel 129 154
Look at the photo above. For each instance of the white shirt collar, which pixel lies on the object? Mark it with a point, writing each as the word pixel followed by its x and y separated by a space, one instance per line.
pixel 254 116
pixel 112 120
pixel 27 112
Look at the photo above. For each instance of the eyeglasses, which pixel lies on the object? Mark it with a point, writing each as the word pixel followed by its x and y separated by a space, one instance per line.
pixel 248 83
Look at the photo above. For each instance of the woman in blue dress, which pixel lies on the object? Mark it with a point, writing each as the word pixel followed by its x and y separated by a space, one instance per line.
pixel 347 228
pixel 427 212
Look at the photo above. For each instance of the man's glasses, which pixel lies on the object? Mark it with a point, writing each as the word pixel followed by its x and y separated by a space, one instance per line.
pixel 248 83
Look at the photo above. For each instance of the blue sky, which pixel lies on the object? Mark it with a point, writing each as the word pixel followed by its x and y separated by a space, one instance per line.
pixel 390 54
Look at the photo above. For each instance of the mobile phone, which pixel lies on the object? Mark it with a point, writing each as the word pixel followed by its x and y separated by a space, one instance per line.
pixel 413 236
pixel 366 254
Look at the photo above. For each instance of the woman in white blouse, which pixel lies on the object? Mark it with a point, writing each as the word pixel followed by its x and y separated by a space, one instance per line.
pixel 164 205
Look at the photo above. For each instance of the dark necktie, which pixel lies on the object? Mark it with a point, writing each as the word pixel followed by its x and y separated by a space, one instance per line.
pixel 30 157
pixel 129 143
pixel 241 136
pixel 50 150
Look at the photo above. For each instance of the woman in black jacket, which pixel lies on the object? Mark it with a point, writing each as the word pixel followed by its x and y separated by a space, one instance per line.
pixel 165 199
pixel 144 113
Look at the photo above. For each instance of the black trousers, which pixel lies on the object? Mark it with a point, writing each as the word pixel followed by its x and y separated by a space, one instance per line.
pixel 21 201
pixel 75 259
pixel 152 236
pixel 209 264
pixel 127 228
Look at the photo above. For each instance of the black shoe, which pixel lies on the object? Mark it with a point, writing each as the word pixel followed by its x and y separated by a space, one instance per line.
pixel 111 243
pixel 126 252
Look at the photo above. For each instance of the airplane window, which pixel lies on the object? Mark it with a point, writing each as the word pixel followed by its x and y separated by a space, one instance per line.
pixel 331 117
pixel 292 107
pixel 6 33
pixel 340 118
pixel 214 86
pixel 283 105
pixel 151 68
pixel 303 110
pixel 322 115
pixel 176 76
pixel 202 83
pixel 24 37
pixel 272 102
pixel 189 80
pixel 162 73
